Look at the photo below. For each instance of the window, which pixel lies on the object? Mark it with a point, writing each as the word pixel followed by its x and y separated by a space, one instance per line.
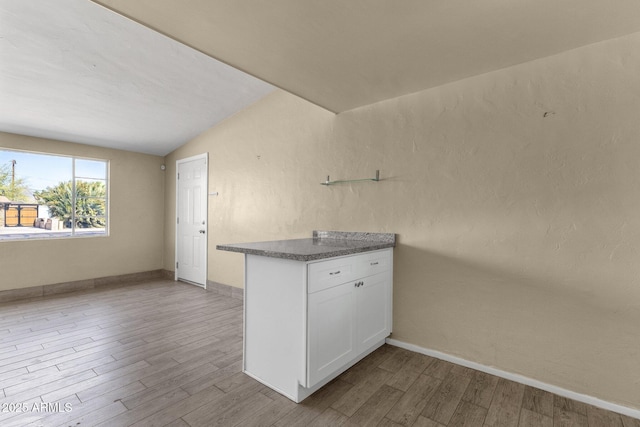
pixel 52 196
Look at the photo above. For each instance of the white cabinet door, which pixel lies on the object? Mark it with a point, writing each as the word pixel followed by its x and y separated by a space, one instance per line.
pixel 331 331
pixel 373 310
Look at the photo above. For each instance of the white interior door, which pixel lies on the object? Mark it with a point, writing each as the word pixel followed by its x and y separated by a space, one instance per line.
pixel 191 219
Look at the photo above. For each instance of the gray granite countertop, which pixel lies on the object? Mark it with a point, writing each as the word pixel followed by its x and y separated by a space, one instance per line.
pixel 323 244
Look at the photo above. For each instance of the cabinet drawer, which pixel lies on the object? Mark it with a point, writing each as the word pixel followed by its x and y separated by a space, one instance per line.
pixel 371 263
pixel 326 274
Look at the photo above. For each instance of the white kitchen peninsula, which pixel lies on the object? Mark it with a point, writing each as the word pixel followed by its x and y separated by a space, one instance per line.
pixel 314 307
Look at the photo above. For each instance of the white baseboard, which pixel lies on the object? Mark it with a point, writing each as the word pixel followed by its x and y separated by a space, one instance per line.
pixel 590 400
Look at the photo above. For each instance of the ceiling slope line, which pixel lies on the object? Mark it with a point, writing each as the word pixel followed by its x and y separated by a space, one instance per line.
pixel 124 15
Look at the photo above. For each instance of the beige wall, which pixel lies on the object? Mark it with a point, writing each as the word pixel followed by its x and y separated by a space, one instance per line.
pixel 515 197
pixel 136 224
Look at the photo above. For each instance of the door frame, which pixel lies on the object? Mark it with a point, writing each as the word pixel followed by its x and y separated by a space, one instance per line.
pixel 204 156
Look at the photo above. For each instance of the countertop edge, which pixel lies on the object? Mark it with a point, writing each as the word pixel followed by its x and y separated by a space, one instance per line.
pixel 310 257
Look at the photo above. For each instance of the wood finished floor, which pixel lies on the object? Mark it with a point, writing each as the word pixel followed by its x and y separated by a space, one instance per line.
pixel 162 353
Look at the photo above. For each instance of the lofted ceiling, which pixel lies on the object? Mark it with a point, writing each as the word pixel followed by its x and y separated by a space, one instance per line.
pixel 345 54
pixel 74 70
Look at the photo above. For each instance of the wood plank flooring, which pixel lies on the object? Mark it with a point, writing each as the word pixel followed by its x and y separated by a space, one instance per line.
pixel 168 354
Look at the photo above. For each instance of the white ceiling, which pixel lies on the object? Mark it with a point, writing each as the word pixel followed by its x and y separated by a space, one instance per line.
pixel 74 71
pixel 342 54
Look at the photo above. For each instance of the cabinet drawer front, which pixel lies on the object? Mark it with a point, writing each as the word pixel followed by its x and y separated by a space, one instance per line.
pixel 326 274
pixel 372 263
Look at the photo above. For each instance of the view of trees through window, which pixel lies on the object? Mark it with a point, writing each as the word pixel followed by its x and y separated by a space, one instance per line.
pixel 49 196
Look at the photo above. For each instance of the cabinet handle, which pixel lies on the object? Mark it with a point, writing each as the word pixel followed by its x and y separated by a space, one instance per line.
pixel 374 263
pixel 358 284
pixel 334 272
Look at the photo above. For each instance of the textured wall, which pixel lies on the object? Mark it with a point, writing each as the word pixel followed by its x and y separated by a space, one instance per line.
pixel 514 195
pixel 136 224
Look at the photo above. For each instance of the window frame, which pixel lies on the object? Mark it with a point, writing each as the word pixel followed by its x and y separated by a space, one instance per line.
pixel 71 233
